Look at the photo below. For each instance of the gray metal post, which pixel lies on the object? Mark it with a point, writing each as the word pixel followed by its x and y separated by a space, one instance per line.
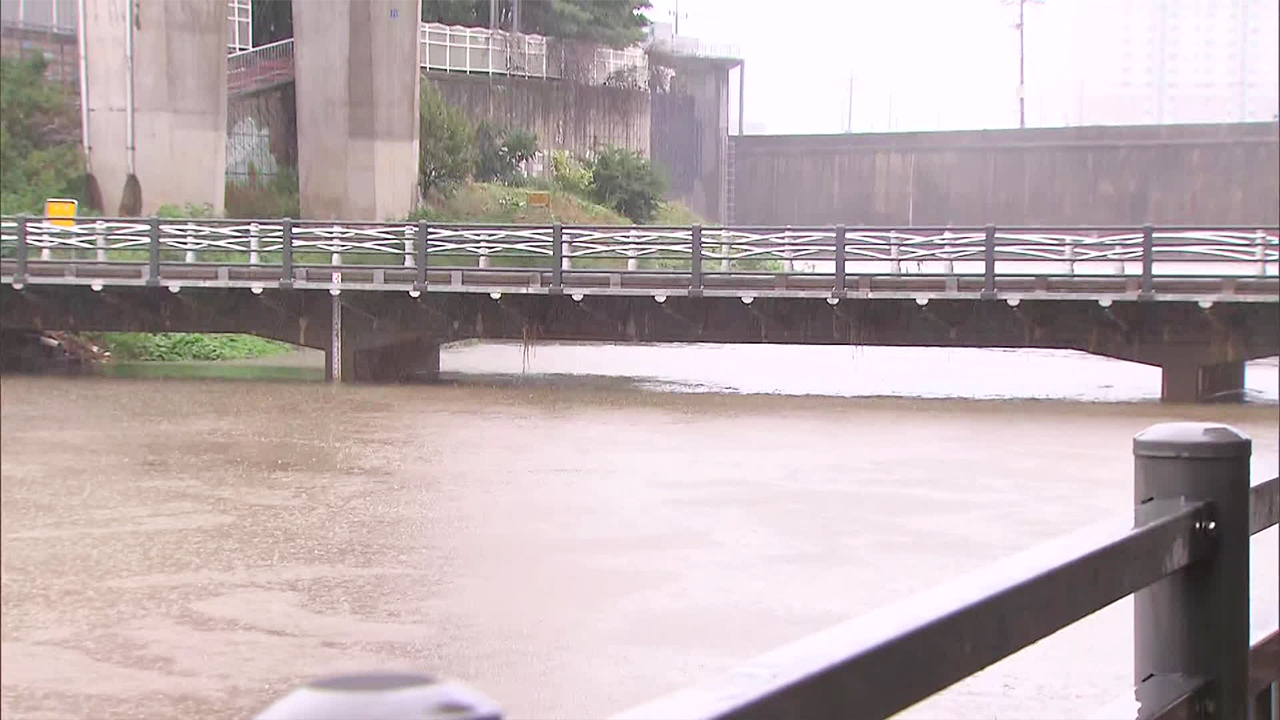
pixel 989 263
pixel 286 253
pixel 557 258
pixel 695 261
pixel 334 361
pixel 840 260
pixel 20 273
pixel 383 696
pixel 1195 623
pixel 1148 260
pixel 742 64
pixel 153 261
pixel 420 259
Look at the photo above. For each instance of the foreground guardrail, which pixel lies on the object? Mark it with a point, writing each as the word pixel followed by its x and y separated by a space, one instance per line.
pixel 1232 263
pixel 1183 553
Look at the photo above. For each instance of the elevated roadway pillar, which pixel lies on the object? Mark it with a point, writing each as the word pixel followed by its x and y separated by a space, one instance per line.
pixel 1185 381
pixel 357 87
pixel 157 99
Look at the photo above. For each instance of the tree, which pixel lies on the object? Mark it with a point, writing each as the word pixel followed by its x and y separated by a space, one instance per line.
pixel 625 181
pixel 616 23
pixel 501 152
pixel 445 151
pixel 40 154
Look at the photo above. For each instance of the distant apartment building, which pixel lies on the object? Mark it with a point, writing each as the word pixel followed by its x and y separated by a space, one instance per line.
pixel 1107 62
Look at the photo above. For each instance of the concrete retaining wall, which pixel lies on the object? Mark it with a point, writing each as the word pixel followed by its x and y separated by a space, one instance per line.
pixel 1170 174
pixel 564 115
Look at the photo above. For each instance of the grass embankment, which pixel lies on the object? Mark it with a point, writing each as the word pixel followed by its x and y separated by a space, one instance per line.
pixel 496 203
pixel 182 347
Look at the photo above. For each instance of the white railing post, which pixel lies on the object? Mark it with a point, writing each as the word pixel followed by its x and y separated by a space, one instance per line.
pixel 1260 239
pixel 895 253
pixel 46 252
pixel 408 246
pixel 255 254
pixel 100 241
pixel 1070 254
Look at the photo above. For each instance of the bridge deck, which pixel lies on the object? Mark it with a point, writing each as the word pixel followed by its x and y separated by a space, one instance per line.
pixel 647 282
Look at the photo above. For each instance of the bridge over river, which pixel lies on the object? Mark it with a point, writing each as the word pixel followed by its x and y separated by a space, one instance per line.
pixel 381 297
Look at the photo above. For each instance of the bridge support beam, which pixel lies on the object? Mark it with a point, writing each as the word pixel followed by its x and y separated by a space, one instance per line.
pixel 157 91
pixel 1189 382
pixel 357 85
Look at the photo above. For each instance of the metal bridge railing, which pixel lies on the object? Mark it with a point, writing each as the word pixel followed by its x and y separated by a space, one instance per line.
pixel 261 67
pixel 830 262
pixel 1183 552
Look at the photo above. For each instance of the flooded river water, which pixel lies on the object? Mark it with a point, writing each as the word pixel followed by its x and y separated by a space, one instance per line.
pixel 618 523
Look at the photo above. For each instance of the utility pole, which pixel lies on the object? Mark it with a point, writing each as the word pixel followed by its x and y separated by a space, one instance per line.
pixel 848 125
pixel 675 30
pixel 1022 64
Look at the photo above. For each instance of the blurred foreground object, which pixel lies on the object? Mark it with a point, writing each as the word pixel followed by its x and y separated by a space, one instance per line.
pixel 382 696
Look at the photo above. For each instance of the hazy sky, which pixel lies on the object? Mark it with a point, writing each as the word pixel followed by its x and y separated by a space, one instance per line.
pixel 953 64
pixel 917 63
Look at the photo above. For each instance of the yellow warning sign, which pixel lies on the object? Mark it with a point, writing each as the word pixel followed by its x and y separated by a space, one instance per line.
pixel 60 208
pixel 539 198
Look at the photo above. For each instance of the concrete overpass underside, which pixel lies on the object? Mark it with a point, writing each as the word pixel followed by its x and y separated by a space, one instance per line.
pixel 390 337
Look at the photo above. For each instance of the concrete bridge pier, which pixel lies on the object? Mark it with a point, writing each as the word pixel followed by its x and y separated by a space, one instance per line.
pixel 357 84
pixel 157 102
pixel 1187 381
pixel 359 350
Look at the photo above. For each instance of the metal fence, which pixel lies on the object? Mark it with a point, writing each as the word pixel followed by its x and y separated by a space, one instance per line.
pixel 1160 263
pixel 261 67
pixel 480 50
pixel 1182 552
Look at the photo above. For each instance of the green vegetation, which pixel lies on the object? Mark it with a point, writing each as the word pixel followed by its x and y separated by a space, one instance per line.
pixel 445 139
pixel 499 153
pixel 616 23
pixel 264 199
pixel 570 173
pixel 625 181
pixel 495 203
pixel 40 155
pixel 187 210
pixel 177 347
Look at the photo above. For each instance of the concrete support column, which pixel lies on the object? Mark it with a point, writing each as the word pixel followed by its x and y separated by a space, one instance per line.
pixel 406 360
pixel 162 116
pixel 357 86
pixel 1190 382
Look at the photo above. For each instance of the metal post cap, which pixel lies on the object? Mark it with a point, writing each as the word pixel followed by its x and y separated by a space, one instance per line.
pixel 1192 440
pixel 383 696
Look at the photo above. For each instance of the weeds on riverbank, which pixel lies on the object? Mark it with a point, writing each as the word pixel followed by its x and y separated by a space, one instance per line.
pixel 180 347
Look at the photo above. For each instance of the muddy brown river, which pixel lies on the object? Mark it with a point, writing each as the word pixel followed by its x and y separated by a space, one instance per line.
pixel 192 548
